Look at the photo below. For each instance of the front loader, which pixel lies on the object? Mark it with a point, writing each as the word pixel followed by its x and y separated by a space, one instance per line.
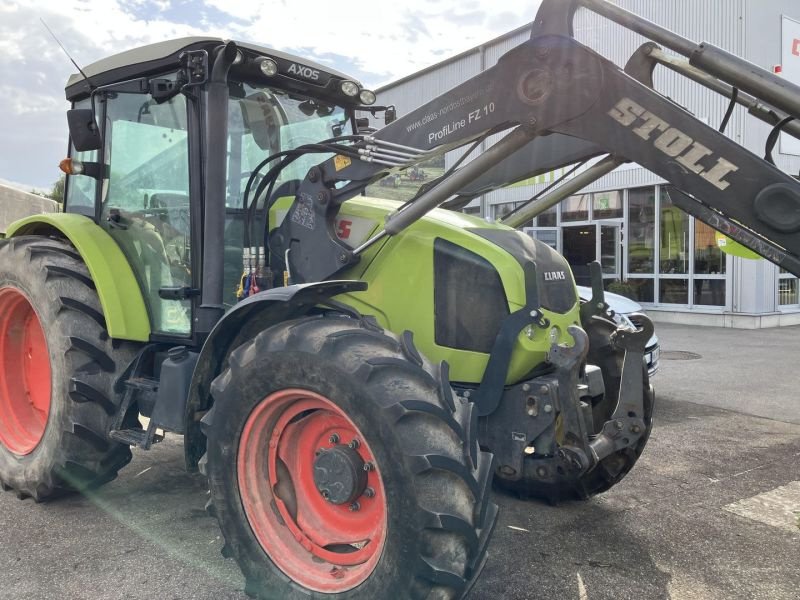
pixel 343 368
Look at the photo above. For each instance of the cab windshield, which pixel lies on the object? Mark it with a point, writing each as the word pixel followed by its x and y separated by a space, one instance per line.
pixel 263 121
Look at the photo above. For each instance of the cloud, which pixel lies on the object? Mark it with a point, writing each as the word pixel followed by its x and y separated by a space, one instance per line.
pixel 377 42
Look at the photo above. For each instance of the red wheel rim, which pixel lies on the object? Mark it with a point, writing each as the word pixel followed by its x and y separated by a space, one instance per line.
pixel 322 546
pixel 24 374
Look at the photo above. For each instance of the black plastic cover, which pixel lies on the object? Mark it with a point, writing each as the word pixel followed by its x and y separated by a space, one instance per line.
pixel 173 389
pixel 556 286
pixel 469 300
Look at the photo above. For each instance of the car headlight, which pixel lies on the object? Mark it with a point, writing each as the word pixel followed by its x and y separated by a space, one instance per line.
pixel 623 320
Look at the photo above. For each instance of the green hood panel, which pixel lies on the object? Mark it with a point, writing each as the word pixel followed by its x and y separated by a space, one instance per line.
pixel 117 287
pixel 402 287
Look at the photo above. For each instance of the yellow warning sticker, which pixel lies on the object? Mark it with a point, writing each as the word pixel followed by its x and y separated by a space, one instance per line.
pixel 340 162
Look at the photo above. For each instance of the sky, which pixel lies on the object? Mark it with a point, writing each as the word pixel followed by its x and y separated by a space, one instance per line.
pixel 376 42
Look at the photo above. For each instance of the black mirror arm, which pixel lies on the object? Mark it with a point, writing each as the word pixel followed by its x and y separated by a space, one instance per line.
pixel 95 170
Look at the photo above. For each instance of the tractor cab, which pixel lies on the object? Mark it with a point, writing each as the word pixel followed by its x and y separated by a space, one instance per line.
pixel 146 124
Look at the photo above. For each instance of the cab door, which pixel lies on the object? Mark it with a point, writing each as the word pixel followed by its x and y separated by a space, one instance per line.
pixel 145 202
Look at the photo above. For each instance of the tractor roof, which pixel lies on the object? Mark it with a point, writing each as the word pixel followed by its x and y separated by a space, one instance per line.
pixel 154 58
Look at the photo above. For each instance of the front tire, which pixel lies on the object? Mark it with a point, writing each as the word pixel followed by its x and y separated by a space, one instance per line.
pixel 286 412
pixel 57 372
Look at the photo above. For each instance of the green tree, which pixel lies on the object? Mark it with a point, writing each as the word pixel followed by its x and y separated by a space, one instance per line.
pixel 57 193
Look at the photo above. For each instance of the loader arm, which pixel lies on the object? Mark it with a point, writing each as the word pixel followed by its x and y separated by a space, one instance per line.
pixel 552 84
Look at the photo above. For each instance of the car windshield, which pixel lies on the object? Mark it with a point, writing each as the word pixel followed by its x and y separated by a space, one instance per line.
pixel 263 121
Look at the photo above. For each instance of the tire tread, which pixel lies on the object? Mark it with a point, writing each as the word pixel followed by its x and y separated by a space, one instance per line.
pixel 82 457
pixel 435 414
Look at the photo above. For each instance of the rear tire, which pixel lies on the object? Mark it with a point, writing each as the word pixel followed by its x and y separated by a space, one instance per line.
pixel 433 518
pixel 60 444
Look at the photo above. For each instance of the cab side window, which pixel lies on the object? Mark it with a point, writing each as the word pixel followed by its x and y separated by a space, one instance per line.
pixel 145 205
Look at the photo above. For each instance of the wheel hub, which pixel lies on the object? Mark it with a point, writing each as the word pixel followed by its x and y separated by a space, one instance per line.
pixel 340 474
pixel 25 386
pixel 312 491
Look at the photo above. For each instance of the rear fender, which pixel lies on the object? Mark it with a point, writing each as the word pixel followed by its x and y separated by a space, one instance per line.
pixel 241 323
pixel 120 295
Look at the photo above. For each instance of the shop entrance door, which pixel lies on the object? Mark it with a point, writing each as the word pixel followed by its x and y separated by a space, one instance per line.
pixel 582 244
pixel 610 251
pixel 579 244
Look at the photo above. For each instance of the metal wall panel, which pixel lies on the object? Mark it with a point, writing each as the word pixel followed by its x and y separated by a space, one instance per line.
pixel 412 93
pixel 625 177
pixel 714 21
pixel 743 27
pixel 495 50
pixel 763 47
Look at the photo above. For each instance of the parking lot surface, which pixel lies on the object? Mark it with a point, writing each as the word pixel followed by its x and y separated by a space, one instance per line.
pixel 707 513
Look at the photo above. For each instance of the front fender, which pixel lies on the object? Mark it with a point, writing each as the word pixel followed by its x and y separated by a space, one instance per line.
pixel 120 295
pixel 243 322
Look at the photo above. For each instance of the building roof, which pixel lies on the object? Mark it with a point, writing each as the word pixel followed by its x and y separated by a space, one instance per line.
pixel 456 57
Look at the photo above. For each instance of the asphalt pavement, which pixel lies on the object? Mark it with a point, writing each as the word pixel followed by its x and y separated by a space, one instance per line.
pixel 708 513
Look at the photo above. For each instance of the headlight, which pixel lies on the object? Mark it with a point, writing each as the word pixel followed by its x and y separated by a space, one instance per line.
pixel 268 67
pixel 367 97
pixel 349 88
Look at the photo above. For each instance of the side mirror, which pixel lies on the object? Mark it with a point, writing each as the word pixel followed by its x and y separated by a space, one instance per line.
pixel 362 124
pixel 390 115
pixel 83 130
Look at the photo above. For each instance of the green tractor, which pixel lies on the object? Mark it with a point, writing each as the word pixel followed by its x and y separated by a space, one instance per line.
pixel 351 374
pixel 341 461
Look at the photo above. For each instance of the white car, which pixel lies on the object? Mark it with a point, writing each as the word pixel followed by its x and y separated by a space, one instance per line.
pixel 622 307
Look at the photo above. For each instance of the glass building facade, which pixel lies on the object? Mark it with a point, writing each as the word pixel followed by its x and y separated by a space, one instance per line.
pixel 650 250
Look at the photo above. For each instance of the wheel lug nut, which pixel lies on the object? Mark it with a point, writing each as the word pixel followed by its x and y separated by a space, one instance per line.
pixel 354 444
pixel 368 466
pixel 334 439
pixel 369 492
pixel 355 506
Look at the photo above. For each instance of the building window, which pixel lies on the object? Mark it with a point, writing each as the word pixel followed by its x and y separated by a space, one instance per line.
pixel 576 208
pixel 548 218
pixel 708 258
pixel 501 210
pixel 673 291
pixel 688 268
pixel 709 261
pixel 709 292
pixel 607 205
pixel 788 289
pixel 642 290
pixel 673 253
pixel 641 230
